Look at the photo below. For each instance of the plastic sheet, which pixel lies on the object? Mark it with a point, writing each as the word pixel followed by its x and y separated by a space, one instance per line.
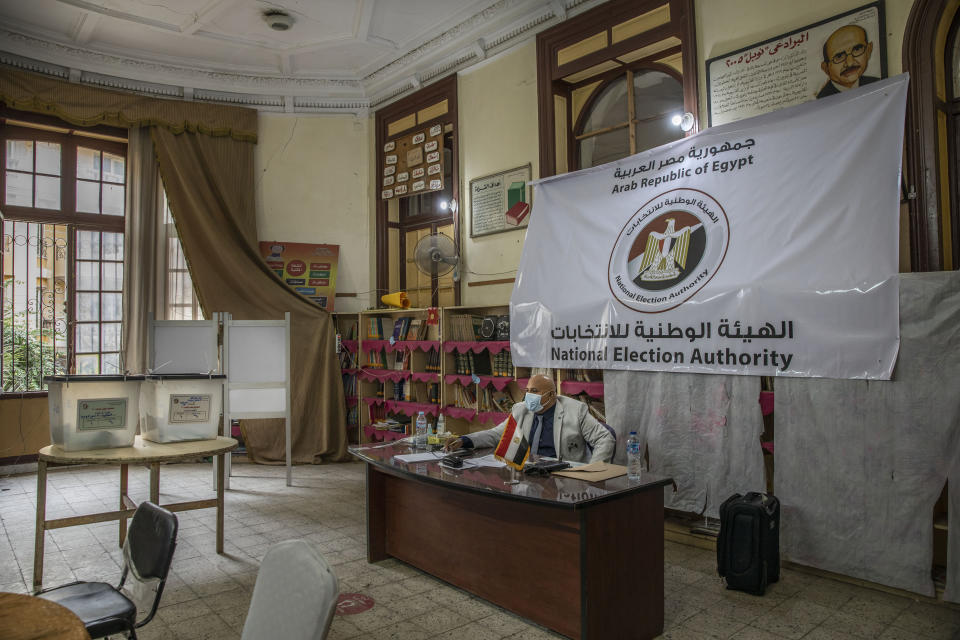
pixel 860 464
pixel 701 430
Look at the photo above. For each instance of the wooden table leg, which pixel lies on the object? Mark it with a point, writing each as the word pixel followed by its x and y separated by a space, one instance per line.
pixel 155 483
pixel 123 493
pixel 376 519
pixel 41 525
pixel 220 478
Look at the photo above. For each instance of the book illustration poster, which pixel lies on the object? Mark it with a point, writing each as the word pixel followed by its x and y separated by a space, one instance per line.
pixel 308 269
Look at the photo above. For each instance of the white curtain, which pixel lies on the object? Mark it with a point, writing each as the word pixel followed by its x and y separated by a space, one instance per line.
pixel 701 430
pixel 860 464
pixel 144 257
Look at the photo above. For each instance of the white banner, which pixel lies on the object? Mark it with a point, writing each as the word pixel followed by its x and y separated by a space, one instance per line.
pixel 766 246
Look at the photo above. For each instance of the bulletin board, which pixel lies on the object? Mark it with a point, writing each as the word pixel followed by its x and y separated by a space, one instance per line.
pixel 413 164
pixel 308 269
pixel 500 201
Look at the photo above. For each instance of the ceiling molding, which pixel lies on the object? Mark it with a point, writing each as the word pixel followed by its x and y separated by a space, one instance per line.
pixel 284 88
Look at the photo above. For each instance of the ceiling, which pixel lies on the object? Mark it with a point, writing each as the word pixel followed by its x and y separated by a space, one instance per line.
pixel 337 56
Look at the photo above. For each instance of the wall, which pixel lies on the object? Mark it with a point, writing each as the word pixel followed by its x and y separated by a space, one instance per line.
pixel 497 100
pixel 728 25
pixel 313 185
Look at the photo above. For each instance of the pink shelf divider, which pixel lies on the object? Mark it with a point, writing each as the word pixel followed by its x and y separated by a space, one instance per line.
pixel 767 446
pixel 592 389
pixel 476 346
pixel 383 375
pixel 522 383
pixel 497 382
pixel 452 378
pixel 412 408
pixel 379 434
pixel 373 401
pixel 374 345
pixel 492 417
pixel 422 345
pixel 459 412
pixel 766 402
pixel 425 377
pixel 349 345
pixel 350 372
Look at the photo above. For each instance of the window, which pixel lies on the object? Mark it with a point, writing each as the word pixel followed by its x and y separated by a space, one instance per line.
pixel 63 200
pixel 611 80
pixel 402 222
pixel 181 300
pixel 609 131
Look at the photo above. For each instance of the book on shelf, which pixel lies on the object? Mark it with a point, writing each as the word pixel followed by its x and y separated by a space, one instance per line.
pixel 375 359
pixel 413 330
pixel 375 328
pixel 433 360
pixel 594 406
pixel 493 400
pixel 398 329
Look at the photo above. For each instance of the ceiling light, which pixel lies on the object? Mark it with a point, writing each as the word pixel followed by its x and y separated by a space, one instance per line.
pixel 277 19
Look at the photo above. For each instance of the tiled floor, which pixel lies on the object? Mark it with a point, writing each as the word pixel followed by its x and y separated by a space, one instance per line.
pixel 207 595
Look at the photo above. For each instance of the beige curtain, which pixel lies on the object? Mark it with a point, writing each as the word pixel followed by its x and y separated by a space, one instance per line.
pixel 87 106
pixel 210 188
pixel 205 155
pixel 144 259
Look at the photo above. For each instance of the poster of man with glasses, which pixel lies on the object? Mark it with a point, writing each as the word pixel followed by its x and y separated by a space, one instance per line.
pixel 822 59
pixel 846 57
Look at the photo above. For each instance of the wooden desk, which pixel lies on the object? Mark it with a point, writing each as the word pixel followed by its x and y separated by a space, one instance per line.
pixel 585 559
pixel 143 452
pixel 25 617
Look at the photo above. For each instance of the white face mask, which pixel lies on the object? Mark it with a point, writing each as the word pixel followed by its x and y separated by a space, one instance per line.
pixel 532 400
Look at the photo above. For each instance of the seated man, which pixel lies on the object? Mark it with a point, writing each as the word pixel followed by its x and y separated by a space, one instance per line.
pixel 557 427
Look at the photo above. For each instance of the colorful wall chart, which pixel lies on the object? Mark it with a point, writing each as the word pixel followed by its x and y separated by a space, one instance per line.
pixel 308 269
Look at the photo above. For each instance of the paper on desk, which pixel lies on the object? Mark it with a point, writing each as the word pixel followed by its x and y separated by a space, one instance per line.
pixel 419 457
pixel 593 472
pixel 484 461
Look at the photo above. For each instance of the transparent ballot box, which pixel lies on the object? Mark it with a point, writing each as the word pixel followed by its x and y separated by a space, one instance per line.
pixel 93 412
pixel 182 406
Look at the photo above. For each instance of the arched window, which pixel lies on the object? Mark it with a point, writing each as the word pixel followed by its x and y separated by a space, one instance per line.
pixel 629 113
pixel 611 78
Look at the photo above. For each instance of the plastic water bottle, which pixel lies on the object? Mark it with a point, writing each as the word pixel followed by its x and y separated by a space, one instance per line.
pixel 634 458
pixel 441 425
pixel 420 439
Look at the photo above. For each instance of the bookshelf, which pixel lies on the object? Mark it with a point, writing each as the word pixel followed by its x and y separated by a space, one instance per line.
pixel 347 326
pixel 586 385
pixel 480 383
pixel 399 371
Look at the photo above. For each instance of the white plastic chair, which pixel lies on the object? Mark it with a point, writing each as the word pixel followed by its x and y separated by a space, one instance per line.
pixel 295 595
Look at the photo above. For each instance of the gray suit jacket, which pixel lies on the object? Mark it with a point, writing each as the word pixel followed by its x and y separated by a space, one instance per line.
pixel 573 428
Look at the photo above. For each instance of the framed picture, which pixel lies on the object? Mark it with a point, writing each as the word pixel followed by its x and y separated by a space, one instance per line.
pixel 500 201
pixel 821 59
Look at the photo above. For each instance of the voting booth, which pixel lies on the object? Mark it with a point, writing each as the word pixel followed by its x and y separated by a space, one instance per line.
pixel 256 360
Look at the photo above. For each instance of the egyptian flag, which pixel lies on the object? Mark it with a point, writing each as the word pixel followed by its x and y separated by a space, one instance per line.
pixel 513 447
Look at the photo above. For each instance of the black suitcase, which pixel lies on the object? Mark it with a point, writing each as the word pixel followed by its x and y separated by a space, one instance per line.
pixel 748 548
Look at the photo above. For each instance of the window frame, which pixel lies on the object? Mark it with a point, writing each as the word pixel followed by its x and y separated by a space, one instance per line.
pixel 922 170
pixel 16 125
pixel 444 89
pixel 604 17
